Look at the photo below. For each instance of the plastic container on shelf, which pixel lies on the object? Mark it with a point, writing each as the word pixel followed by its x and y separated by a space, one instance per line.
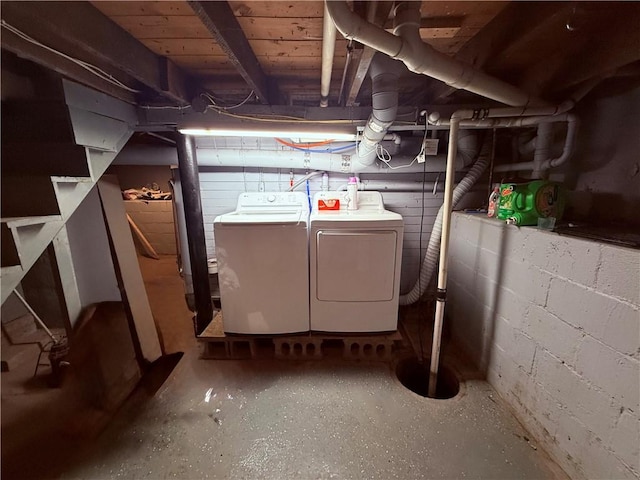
pixel 525 203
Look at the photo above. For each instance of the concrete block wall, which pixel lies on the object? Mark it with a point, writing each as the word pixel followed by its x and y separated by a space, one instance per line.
pixel 155 220
pixel 554 322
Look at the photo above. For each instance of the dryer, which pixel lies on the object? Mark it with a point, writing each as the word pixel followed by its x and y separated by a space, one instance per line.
pixel 263 264
pixel 355 260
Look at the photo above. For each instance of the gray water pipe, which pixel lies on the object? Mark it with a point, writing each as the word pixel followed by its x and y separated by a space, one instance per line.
pixel 406 45
pixel 384 73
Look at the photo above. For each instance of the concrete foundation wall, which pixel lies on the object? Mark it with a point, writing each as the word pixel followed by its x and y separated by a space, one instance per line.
pixel 554 323
pixel 155 220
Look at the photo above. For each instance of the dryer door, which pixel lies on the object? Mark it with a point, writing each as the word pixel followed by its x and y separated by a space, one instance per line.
pixel 355 265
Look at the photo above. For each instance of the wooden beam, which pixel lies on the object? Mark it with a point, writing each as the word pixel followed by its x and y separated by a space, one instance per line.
pixel 514 25
pixel 613 44
pixel 79 30
pixel 361 61
pixel 223 25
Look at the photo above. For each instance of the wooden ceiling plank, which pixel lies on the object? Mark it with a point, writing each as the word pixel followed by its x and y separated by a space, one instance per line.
pixel 121 8
pixel 221 22
pixel 507 27
pixel 80 30
pixel 614 44
pixel 361 61
pixel 270 8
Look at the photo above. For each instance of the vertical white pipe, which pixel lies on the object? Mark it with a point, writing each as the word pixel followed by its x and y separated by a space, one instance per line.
pixel 543 146
pixel 444 251
pixel 328 50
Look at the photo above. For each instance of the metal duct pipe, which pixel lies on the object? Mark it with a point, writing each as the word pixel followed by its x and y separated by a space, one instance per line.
pixel 420 57
pixel 328 51
pixel 190 183
pixel 384 73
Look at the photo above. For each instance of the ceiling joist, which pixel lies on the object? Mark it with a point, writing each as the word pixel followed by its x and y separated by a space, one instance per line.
pixel 516 24
pixel 223 25
pixel 377 13
pixel 79 30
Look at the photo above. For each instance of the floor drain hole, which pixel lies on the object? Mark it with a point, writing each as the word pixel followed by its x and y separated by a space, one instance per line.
pixel 355 347
pixel 311 349
pixel 380 351
pixel 414 375
pixel 297 349
pixel 367 350
pixel 286 349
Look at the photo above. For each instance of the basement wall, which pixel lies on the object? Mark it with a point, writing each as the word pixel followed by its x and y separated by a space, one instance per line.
pixel 553 322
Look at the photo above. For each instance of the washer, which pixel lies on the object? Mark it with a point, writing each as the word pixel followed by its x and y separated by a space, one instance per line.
pixel 263 264
pixel 355 259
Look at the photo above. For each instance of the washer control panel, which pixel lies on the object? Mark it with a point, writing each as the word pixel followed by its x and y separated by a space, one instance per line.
pixel 256 200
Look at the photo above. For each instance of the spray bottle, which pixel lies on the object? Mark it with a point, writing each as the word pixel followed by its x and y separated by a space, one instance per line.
pixel 352 190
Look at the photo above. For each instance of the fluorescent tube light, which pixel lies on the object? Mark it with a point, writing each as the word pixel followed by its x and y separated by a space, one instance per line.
pixel 311 135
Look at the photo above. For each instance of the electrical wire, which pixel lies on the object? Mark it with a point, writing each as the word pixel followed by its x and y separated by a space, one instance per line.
pixel 303 145
pixel 424 178
pixel 327 150
pixel 98 72
pixel 215 106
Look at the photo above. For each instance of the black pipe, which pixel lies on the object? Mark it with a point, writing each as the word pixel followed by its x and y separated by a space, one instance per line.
pixel 190 183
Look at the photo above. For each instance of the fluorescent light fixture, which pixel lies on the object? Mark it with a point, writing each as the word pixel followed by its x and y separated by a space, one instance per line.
pixel 311 135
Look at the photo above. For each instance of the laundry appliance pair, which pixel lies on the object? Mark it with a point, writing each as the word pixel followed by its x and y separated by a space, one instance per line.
pixel 283 269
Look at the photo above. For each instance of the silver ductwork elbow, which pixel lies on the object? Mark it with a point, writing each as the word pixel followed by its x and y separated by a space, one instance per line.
pixel 384 73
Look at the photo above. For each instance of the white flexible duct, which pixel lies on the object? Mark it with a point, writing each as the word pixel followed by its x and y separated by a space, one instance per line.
pixel 420 57
pixel 433 249
pixel 328 50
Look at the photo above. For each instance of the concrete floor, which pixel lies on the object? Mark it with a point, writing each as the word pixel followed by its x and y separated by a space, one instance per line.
pixel 272 419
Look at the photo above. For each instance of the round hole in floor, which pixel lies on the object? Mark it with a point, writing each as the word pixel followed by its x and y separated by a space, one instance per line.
pixel 297 349
pixel 355 348
pixel 380 351
pixel 367 350
pixel 414 375
pixel 286 349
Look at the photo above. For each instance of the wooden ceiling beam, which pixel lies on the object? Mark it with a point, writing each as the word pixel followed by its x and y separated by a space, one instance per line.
pixel 613 43
pixel 81 31
pixel 513 26
pixel 220 21
pixel 361 58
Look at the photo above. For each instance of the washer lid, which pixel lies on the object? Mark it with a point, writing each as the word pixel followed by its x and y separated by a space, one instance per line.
pixel 288 217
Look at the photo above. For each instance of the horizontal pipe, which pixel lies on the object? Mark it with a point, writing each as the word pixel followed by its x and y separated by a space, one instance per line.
pixel 290 159
pixel 420 57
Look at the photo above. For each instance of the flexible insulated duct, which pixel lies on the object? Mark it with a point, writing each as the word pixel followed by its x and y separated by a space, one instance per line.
pixel 433 249
pixel 384 73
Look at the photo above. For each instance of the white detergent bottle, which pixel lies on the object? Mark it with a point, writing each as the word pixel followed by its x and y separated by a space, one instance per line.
pixel 352 190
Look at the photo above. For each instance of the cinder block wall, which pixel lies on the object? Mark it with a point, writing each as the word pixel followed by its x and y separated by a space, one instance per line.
pixel 155 220
pixel 554 322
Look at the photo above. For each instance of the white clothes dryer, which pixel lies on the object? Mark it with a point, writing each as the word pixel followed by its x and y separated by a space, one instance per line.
pixel 355 260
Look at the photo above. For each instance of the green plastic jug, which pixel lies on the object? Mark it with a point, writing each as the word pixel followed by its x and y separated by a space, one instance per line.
pixel 525 203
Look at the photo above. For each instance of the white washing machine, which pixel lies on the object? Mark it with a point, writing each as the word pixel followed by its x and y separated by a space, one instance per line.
pixel 263 264
pixel 355 259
